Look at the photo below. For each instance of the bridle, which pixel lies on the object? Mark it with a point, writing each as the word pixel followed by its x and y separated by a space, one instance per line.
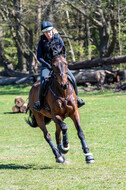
pixel 61 74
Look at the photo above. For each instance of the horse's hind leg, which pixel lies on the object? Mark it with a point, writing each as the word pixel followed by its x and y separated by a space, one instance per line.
pixel 58 139
pixel 88 156
pixel 47 136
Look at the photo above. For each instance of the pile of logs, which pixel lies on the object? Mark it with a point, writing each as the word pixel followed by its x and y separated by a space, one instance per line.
pixel 20 105
pixel 120 87
pixel 99 76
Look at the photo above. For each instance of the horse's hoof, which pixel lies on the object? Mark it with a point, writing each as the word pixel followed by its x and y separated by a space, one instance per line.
pixel 60 160
pixel 63 149
pixel 66 162
pixel 89 158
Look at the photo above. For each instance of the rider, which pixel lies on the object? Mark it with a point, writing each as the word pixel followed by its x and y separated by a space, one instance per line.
pixel 44 58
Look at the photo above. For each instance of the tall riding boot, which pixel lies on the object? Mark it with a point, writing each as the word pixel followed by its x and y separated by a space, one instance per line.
pixel 39 104
pixel 79 102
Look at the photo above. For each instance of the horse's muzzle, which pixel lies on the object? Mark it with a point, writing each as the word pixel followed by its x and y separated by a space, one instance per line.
pixel 64 86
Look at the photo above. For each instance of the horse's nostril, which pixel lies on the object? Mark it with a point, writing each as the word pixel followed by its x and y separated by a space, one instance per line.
pixel 64 86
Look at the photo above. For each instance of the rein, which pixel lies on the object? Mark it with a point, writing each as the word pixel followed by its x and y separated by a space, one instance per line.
pixel 59 73
pixel 59 97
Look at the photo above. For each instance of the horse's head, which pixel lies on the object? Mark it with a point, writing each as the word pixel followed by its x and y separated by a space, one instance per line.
pixel 60 71
pixel 59 64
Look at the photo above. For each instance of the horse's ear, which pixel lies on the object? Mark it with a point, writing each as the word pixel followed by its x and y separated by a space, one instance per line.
pixel 63 51
pixel 51 52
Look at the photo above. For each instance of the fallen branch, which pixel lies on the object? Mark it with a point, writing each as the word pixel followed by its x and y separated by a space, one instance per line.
pixel 97 62
pixel 15 80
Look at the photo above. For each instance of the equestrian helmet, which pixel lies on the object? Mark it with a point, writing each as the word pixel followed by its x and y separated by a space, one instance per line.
pixel 46 26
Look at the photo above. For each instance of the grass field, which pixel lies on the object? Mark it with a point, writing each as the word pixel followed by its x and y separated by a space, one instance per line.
pixel 26 160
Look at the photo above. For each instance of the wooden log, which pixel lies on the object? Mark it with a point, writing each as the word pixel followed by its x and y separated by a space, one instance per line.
pixel 123 86
pixel 8 80
pixel 16 109
pixel 15 80
pixel 122 74
pixel 97 62
pixel 23 108
pixel 120 87
pixel 19 101
pixel 91 76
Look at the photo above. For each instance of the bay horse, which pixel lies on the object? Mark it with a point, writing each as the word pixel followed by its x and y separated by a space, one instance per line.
pixel 59 103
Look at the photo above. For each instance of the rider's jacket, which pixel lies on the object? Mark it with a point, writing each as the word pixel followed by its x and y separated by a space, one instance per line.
pixel 43 55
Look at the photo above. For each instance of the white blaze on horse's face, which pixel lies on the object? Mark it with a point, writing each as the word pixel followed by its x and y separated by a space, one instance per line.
pixel 60 70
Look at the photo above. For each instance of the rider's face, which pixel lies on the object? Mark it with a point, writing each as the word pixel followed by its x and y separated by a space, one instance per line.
pixel 48 34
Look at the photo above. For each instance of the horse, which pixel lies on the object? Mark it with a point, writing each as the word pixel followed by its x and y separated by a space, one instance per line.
pixel 60 102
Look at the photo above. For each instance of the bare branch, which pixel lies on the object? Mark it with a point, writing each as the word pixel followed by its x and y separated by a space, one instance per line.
pixel 94 21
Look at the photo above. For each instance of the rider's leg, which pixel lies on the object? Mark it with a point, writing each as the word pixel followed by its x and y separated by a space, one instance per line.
pixel 79 102
pixel 44 74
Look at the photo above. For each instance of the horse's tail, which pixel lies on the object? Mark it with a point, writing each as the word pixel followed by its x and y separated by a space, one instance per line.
pixel 31 119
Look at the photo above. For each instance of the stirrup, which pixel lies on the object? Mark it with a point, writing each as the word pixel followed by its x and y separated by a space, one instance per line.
pixel 37 106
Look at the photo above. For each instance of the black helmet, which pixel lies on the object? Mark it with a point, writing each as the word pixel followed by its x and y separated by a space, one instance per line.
pixel 46 26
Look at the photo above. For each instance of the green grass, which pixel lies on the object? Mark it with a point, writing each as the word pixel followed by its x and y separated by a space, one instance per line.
pixel 27 162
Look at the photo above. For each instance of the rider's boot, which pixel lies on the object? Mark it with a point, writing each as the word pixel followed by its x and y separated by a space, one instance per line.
pixel 39 104
pixel 79 102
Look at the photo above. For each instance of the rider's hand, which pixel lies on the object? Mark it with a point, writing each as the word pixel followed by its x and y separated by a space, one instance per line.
pixel 49 67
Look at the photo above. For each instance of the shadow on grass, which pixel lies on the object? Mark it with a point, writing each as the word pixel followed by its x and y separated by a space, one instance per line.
pixel 27 167
pixel 13 113
pixel 14 167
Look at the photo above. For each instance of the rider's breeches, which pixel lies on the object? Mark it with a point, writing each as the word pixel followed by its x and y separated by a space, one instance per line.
pixel 44 75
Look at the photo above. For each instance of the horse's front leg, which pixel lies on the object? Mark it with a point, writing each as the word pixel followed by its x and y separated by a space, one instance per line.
pixel 59 157
pixel 47 136
pixel 76 119
pixel 64 147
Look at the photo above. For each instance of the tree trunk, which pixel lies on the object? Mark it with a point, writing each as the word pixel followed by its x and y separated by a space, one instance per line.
pixel 39 15
pixel 69 42
pixel 119 28
pixel 17 10
pixel 87 38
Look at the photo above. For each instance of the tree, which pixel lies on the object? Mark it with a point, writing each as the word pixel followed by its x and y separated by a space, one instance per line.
pixel 12 13
pixel 89 29
pixel 102 15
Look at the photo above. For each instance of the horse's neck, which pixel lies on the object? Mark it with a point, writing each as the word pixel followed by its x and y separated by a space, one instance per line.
pixel 58 90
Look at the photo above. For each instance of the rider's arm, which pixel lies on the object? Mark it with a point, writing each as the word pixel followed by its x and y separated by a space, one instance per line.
pixel 39 55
